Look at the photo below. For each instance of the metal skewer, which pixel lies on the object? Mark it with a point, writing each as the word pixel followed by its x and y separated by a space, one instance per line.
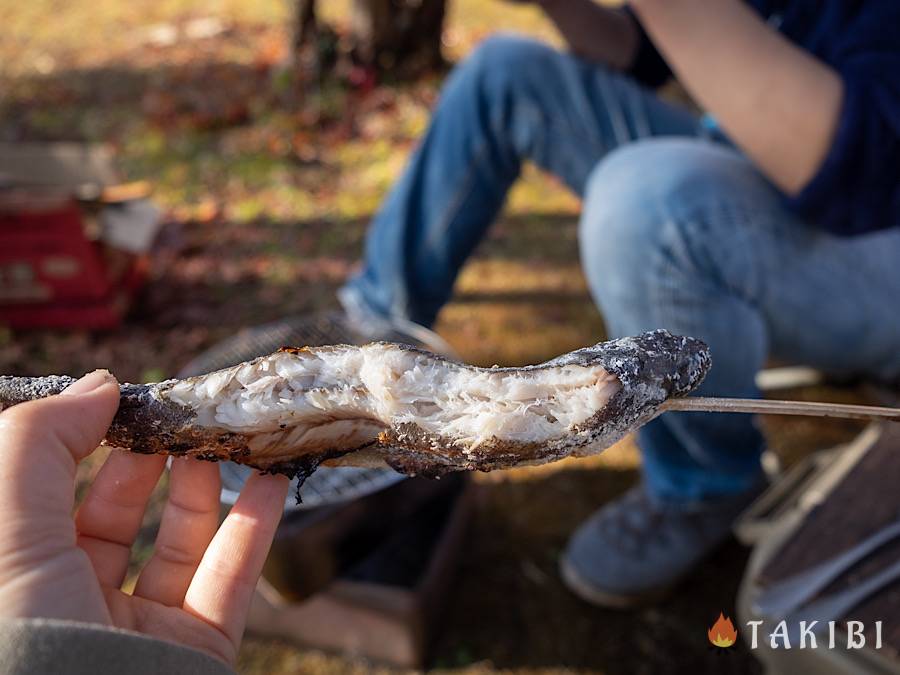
pixel 767 407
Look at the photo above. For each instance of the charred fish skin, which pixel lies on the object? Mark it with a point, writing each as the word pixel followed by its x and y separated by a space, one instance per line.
pixel 647 370
pixel 14 390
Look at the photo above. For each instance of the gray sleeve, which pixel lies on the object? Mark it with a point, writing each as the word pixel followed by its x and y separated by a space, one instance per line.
pixel 51 646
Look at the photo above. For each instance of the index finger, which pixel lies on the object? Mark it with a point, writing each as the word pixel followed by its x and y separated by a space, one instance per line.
pixel 222 588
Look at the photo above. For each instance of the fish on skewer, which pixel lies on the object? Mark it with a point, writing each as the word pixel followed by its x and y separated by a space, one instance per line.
pixel 387 403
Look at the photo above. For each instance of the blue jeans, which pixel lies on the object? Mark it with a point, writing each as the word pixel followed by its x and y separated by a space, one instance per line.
pixel 678 231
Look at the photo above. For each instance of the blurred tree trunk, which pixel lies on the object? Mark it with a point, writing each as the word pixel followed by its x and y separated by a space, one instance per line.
pixel 305 24
pixel 400 37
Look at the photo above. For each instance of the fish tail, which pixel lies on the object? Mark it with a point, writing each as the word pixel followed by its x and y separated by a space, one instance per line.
pixel 14 390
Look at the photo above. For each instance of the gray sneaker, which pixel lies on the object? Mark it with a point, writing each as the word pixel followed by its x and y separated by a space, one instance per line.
pixel 632 551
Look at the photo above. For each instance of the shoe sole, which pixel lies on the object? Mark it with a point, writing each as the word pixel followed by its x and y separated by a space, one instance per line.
pixel 599 598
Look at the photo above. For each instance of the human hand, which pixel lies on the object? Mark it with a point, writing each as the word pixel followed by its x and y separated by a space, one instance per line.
pixel 196 588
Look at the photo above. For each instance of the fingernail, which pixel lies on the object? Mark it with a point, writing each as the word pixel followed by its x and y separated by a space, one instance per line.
pixel 89 383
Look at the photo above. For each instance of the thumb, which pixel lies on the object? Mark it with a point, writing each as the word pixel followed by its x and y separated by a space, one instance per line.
pixel 42 441
pixel 87 407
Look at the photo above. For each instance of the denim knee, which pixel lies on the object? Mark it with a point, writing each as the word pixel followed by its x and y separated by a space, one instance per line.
pixel 621 238
pixel 658 213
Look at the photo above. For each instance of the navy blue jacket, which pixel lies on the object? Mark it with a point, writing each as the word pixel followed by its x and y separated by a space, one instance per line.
pixel 857 188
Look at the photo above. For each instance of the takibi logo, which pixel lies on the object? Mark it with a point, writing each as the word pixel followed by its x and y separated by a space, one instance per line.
pixel 798 635
pixel 722 633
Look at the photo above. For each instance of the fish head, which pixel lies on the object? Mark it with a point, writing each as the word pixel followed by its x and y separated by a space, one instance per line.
pixel 669 365
pixel 693 366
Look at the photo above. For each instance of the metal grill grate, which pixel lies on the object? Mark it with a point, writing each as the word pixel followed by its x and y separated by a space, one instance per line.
pixel 327 485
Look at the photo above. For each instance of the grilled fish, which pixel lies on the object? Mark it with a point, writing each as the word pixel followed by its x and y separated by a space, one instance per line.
pixel 388 403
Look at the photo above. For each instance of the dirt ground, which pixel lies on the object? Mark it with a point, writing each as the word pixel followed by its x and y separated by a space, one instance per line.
pixel 267 211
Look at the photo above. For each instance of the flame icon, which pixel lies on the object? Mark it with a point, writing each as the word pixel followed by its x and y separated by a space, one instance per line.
pixel 722 632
